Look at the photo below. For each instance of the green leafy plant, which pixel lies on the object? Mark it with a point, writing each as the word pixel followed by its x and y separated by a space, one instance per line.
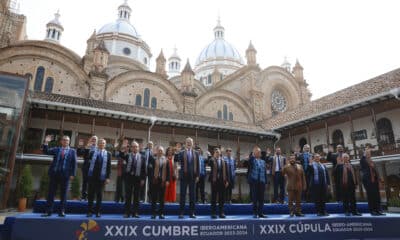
pixel 26 182
pixel 44 184
pixel 75 187
pixel 394 202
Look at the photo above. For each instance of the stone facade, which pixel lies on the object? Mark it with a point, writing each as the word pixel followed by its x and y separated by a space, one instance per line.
pixel 12 25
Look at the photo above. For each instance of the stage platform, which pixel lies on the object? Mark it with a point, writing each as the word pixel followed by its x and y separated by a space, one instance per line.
pixel 80 207
pixel 275 226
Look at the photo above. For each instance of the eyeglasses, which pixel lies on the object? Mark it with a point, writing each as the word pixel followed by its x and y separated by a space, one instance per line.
pixel 229 150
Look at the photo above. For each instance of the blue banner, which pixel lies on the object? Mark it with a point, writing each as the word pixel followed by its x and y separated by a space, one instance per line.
pixel 31 226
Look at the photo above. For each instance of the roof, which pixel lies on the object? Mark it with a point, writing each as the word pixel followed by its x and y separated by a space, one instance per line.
pixel 345 99
pixel 144 115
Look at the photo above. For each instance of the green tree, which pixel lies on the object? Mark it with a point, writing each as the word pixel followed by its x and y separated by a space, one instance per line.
pixel 76 187
pixel 26 182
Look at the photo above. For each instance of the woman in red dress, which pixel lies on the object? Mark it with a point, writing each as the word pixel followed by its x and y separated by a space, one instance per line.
pixel 170 191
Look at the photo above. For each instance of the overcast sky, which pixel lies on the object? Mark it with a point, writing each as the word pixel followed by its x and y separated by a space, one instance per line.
pixel 339 42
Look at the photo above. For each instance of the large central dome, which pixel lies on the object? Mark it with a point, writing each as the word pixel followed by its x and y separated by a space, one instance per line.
pixel 218 56
pixel 120 26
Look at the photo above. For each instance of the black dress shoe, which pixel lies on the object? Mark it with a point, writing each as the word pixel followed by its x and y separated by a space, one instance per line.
pixel 213 216
pixel 261 215
pixel 222 215
pixel 299 214
pixel 61 214
pixel 381 213
pixel 98 215
pixel 255 216
pixel 126 215
pixel 374 213
pixel 153 216
pixel 162 216
pixel 48 214
pixel 89 214
pixel 192 215
pixel 347 214
pixel 356 214
pixel 291 214
pixel 325 213
pixel 181 216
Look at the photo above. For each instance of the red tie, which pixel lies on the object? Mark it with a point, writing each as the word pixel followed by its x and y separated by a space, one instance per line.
pixel 62 153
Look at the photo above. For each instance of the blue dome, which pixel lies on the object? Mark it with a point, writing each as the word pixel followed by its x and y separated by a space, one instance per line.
pixel 120 26
pixel 221 49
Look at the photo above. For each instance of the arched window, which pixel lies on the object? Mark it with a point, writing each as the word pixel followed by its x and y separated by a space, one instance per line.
pixel 230 116
pixel 146 97
pixel 39 79
pixel 219 114
pixel 153 103
pixel 302 142
pixel 138 101
pixel 209 79
pixel 385 131
pixel 337 138
pixel 225 111
pixel 48 88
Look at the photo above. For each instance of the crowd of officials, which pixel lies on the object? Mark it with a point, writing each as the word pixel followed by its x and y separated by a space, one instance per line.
pixel 301 174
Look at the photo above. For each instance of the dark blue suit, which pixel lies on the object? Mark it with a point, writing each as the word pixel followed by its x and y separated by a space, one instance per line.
pixel 187 177
pixel 305 160
pixel 257 178
pixel 318 182
pixel 60 170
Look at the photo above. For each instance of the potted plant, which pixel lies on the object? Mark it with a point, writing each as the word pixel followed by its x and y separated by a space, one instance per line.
pixel 25 187
pixel 394 205
pixel 75 188
pixel 44 184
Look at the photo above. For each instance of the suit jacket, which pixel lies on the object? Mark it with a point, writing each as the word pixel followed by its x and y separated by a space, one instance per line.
pixel 366 171
pixel 294 173
pixel 232 167
pixel 332 157
pixel 302 159
pixel 164 169
pixel 69 162
pixel 97 168
pixel 310 174
pixel 125 157
pixel 222 175
pixel 192 168
pixel 253 175
pixel 274 159
pixel 85 153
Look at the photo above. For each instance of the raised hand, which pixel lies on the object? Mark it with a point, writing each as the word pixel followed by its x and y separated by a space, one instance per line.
pixel 47 139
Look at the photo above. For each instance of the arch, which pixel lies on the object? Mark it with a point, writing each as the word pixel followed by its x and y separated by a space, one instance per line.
pixel 302 142
pixel 51 52
pixel 138 100
pixel 385 131
pixel 153 103
pixel 134 76
pixel 146 98
pixel 226 96
pixel 337 138
pixel 39 79
pixel 48 88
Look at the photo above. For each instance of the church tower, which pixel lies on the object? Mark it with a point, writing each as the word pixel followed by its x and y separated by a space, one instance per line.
pixel 54 29
pixel 174 64
pixel 251 53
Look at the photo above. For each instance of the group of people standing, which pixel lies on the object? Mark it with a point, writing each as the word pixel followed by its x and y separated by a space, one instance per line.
pixel 303 175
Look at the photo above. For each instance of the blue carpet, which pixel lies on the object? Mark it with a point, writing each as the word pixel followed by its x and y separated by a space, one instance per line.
pixel 80 207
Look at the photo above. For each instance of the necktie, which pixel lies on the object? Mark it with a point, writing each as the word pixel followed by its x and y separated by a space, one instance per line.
pixel 279 163
pixel 62 153
pixel 189 154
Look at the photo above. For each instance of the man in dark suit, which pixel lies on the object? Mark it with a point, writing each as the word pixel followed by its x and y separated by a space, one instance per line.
pixel 219 181
pixel 135 175
pixel 159 175
pixel 278 162
pixel 319 182
pixel 231 173
pixel 62 169
pixel 85 152
pixel 99 175
pixel 305 160
pixel 148 157
pixel 200 186
pixel 371 180
pixel 348 182
pixel 188 176
pixel 337 161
